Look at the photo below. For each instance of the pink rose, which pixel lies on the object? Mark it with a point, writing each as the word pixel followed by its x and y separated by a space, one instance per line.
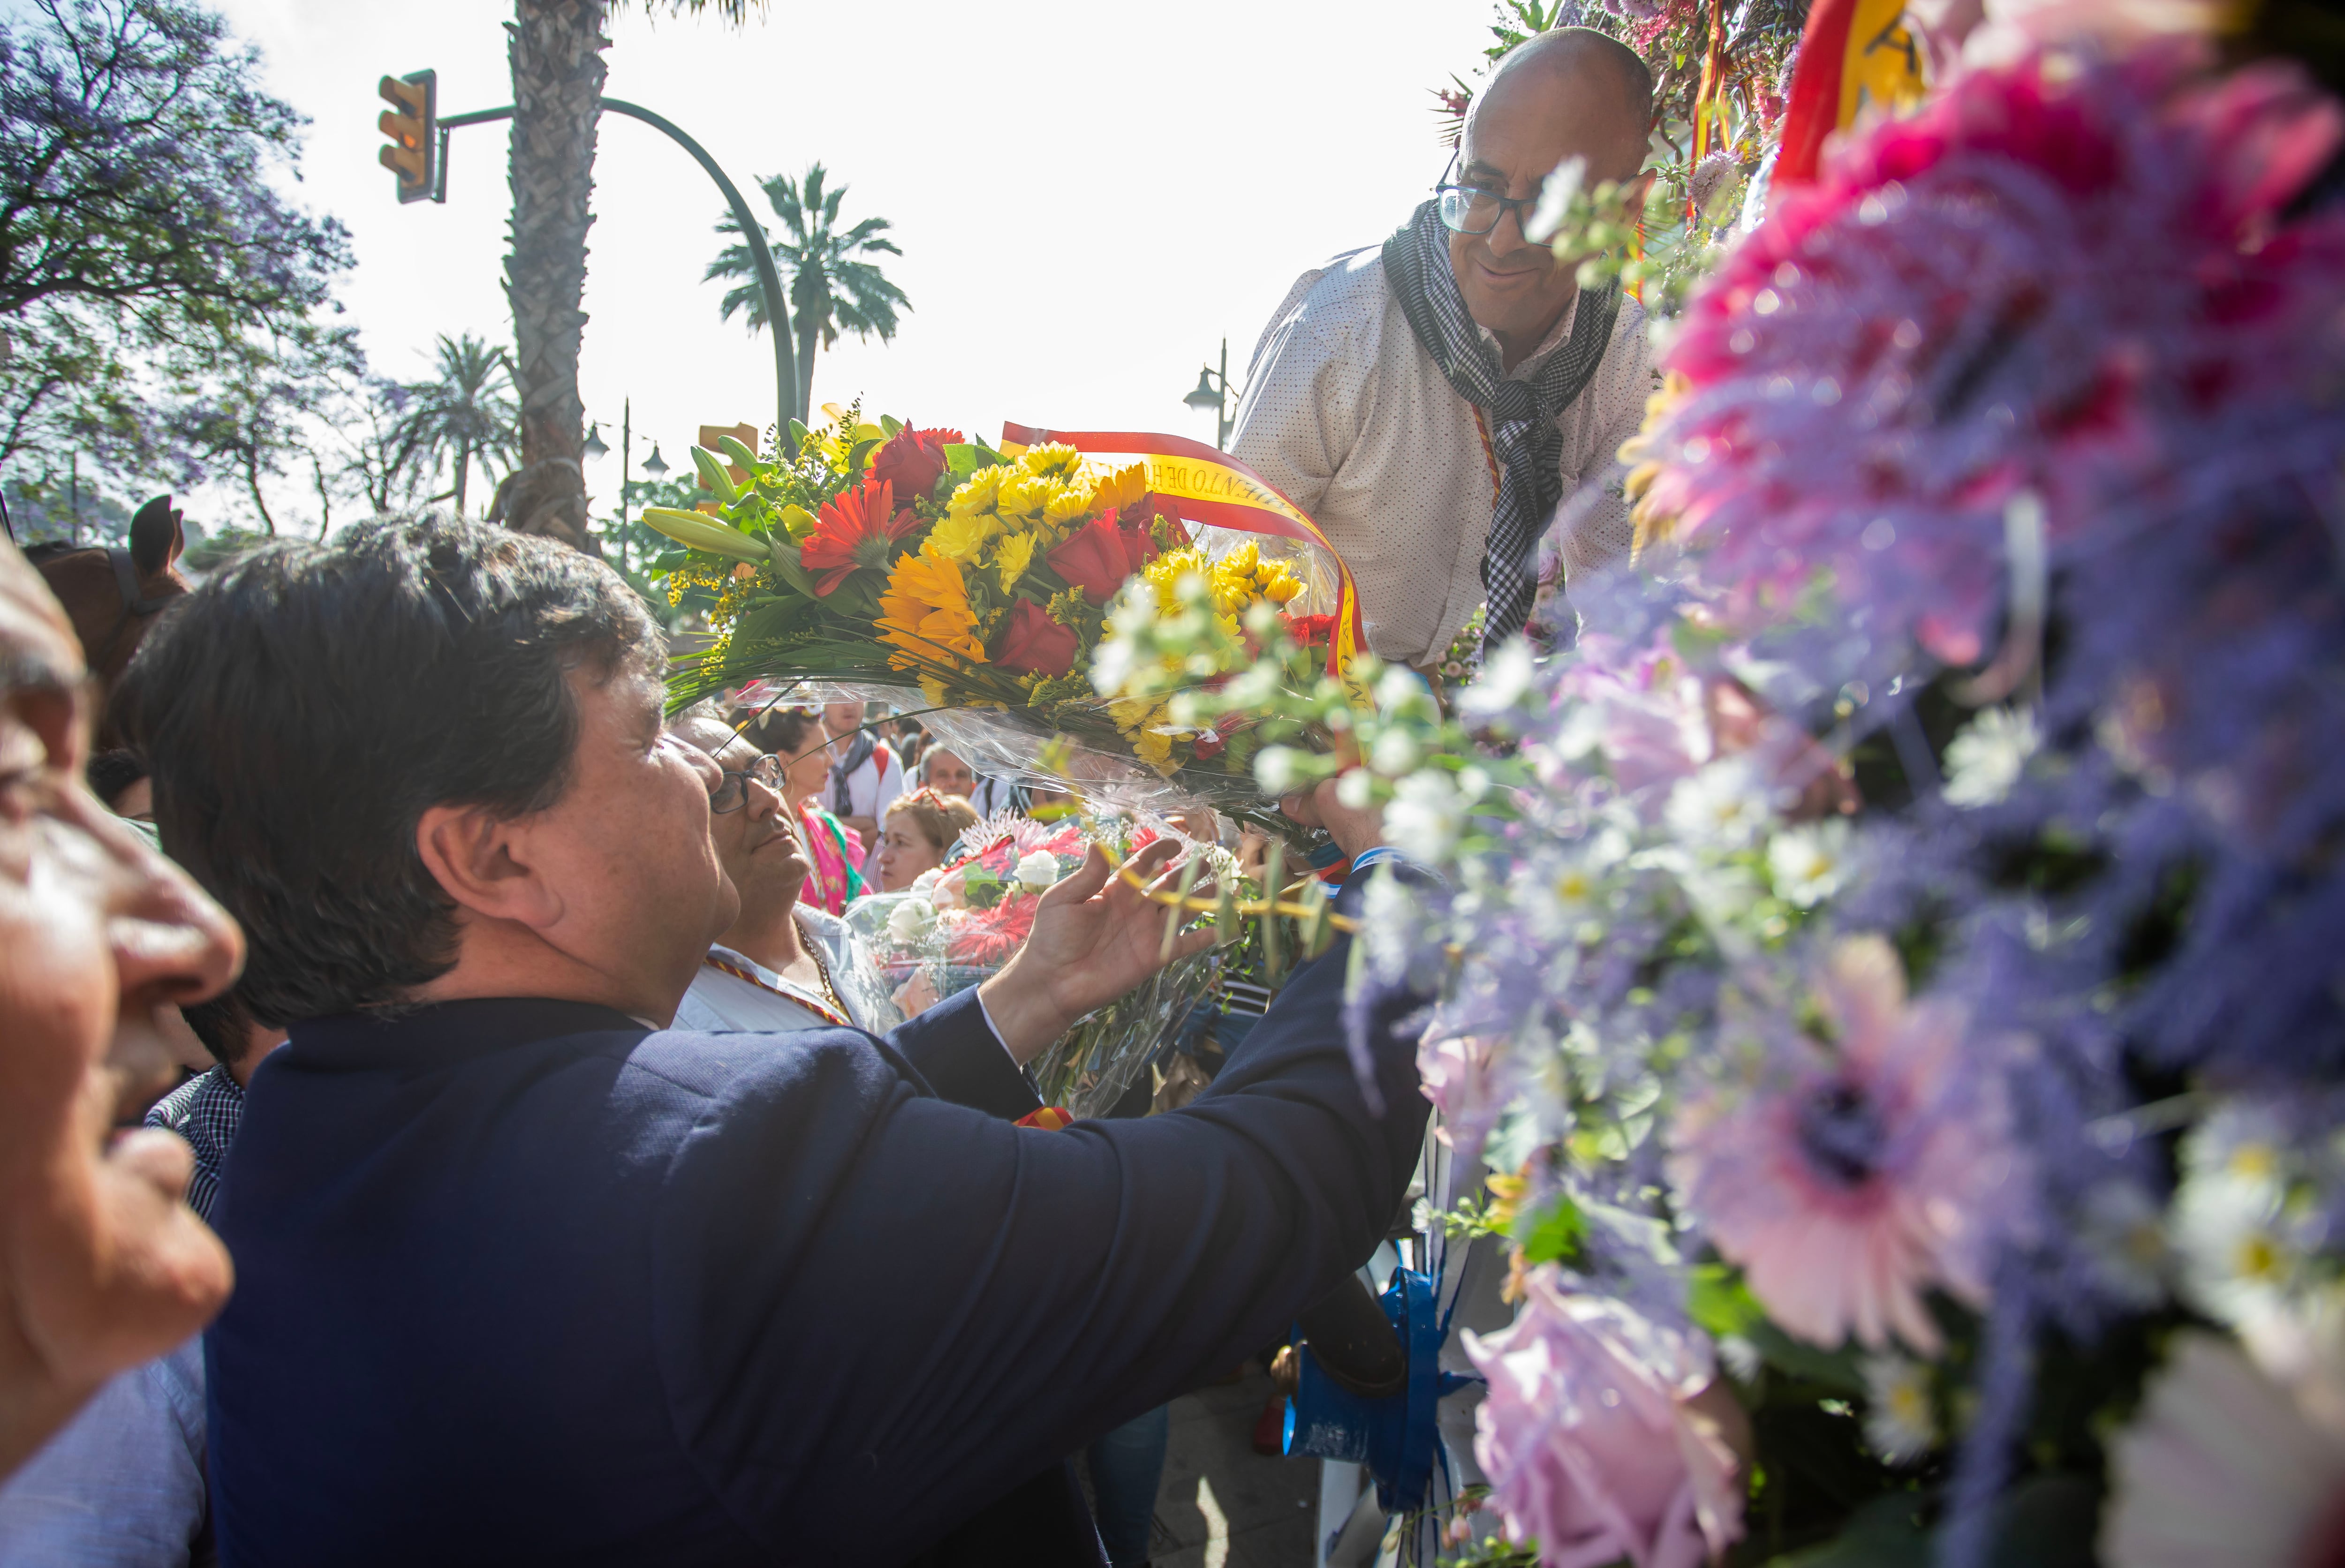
pixel 1591 1439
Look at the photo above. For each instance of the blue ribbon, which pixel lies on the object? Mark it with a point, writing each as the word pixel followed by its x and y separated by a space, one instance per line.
pixel 1395 1437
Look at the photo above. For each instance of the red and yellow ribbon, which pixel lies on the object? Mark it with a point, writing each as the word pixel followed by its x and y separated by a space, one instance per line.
pixel 1853 52
pixel 1214 490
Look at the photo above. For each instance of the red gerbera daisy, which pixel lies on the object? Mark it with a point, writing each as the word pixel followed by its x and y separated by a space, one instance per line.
pixel 855 529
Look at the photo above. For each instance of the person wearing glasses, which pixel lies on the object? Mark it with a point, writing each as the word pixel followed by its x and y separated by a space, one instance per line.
pixel 782 963
pixel 1432 401
pixel 800 743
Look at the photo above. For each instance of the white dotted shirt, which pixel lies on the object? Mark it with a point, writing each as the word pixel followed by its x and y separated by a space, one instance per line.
pixel 1348 415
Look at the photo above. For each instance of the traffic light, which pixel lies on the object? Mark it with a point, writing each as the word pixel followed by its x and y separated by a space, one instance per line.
pixel 412 123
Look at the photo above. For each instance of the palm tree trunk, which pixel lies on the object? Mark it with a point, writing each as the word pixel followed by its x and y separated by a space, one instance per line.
pixel 806 339
pixel 463 465
pixel 557 75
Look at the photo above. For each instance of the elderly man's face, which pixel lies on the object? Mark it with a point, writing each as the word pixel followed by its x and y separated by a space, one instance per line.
pixel 755 843
pixel 947 774
pixel 1529 120
pixel 101 1264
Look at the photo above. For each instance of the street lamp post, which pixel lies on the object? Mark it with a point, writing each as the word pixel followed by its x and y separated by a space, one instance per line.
pixel 1213 391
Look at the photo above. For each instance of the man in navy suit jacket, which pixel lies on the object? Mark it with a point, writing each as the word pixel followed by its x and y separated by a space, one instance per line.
pixel 523 1277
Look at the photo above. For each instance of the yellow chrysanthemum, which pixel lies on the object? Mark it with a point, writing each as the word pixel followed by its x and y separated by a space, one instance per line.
pixel 1165 574
pixel 1057 460
pixel 1645 466
pixel 1122 487
pixel 925 612
pixel 1025 496
pixel 1154 747
pixel 980 492
pixel 933 690
pixel 962 534
pixel 1070 503
pixel 1012 556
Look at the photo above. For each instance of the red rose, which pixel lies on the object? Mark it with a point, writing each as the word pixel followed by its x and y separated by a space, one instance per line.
pixel 913 461
pixel 1034 643
pixel 1309 631
pixel 1095 558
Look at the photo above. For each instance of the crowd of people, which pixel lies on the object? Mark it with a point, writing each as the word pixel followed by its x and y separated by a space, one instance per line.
pixel 588 1200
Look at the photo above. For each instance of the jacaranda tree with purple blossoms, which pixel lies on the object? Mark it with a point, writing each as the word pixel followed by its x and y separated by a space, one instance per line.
pixel 152 280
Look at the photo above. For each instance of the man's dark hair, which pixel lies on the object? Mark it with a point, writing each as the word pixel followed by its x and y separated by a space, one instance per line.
pixel 301 711
pixel 782 731
pixel 223 1023
pixel 110 773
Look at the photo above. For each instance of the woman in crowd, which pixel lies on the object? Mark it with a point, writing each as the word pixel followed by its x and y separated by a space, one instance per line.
pixel 833 850
pixel 920 827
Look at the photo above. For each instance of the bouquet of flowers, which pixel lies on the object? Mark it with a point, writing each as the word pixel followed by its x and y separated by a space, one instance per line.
pixel 877 557
pixel 1892 962
pixel 961 922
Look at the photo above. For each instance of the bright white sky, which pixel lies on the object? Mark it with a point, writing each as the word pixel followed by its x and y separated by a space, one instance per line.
pixel 1090 196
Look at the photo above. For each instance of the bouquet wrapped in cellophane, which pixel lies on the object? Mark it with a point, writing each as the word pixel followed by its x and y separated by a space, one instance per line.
pixel 875 559
pixel 960 924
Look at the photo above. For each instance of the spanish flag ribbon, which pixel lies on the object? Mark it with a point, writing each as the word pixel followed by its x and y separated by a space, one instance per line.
pixel 1853 52
pixel 1050 1118
pixel 1211 489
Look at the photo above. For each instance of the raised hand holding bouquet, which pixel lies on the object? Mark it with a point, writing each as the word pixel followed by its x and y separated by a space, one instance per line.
pixel 1894 959
pixel 960 924
pixel 883 558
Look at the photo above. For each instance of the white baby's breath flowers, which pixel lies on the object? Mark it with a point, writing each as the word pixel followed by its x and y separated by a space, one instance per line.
pixel 1395 752
pixel 1985 761
pixel 911 921
pixel 1425 818
pixel 1898 1420
pixel 1556 195
pixel 1037 870
pixel 1810 863
pixel 1276 769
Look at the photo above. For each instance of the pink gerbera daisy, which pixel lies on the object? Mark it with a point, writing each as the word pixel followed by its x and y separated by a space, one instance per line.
pixel 1848 1180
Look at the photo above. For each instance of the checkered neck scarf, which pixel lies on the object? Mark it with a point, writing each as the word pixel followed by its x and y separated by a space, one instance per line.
pixel 1522 414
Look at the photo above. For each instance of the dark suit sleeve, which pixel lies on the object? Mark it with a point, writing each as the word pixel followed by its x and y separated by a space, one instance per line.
pixel 928 1305
pixel 956 1052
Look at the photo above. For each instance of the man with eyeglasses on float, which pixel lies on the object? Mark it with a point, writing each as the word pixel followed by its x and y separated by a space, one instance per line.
pixel 780 966
pixel 1432 401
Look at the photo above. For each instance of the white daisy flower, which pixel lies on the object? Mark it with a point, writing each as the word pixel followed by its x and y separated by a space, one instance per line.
pixel 1809 864
pixel 1899 1419
pixel 1726 805
pixel 1985 760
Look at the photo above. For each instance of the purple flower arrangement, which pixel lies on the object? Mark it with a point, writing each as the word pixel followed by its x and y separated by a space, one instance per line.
pixel 1896 960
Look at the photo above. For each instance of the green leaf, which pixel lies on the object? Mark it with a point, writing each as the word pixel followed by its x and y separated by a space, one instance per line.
pixel 799 436
pixel 1833 1368
pixel 770 620
pixel 1718 1300
pixel 712 477
pixel 669 560
pixel 963 458
pixel 786 566
pixel 1552 1232
pixel 891 424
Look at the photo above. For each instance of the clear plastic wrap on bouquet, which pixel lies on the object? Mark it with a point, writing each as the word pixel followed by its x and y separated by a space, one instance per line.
pixel 960 924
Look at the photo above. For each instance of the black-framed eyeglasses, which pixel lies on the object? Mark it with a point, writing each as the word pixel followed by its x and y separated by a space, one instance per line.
pixel 1476 209
pixel 733 790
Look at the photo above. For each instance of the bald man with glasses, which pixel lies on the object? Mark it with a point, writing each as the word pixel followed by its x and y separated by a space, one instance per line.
pixel 1449 405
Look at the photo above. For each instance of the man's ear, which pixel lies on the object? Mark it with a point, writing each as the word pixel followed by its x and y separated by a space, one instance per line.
pixel 480 860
